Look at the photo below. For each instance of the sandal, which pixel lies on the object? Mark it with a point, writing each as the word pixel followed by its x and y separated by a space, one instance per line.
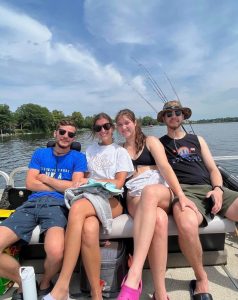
pixel 128 293
pixel 17 296
pixel 44 292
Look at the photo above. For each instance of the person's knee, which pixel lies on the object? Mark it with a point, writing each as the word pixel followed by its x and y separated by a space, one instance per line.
pixel 8 238
pixel 149 190
pixel 55 253
pixel 161 225
pixel 149 197
pixel 155 195
pixel 186 221
pixel 75 210
pixel 232 211
pixel 90 232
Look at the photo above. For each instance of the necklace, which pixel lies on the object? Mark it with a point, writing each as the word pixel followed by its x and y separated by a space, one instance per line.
pixel 174 140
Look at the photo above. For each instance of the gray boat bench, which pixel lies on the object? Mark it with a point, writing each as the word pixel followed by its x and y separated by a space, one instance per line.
pixel 212 237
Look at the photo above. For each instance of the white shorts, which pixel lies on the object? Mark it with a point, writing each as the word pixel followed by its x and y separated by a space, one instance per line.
pixel 136 185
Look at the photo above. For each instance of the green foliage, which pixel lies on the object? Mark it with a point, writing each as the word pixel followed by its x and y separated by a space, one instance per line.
pixel 88 122
pixel 147 121
pixel 57 115
pixel 6 118
pixel 78 119
pixel 217 120
pixel 34 117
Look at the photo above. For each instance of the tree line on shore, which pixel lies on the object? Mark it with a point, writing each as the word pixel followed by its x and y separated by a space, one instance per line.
pixel 36 119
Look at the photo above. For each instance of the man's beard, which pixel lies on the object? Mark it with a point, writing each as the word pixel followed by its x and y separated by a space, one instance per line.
pixel 61 146
pixel 174 127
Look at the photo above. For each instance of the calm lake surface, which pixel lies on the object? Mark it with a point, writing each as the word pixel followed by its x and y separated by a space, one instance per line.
pixel 222 139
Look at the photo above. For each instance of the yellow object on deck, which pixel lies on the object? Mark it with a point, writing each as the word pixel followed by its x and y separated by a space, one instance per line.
pixel 5 213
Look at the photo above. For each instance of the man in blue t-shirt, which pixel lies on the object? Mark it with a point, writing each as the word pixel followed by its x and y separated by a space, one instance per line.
pixel 51 171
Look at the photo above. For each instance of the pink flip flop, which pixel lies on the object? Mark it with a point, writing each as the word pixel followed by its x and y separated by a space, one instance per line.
pixel 128 293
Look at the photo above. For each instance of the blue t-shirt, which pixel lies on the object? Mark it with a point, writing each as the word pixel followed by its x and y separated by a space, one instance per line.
pixel 59 167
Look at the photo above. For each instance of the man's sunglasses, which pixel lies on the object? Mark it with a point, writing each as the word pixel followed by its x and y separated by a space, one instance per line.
pixel 98 128
pixel 70 133
pixel 169 113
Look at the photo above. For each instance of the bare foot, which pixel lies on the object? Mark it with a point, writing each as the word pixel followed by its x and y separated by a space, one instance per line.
pixel 201 286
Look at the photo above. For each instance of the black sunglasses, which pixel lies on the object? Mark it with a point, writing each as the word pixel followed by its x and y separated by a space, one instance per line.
pixel 98 128
pixel 70 133
pixel 170 113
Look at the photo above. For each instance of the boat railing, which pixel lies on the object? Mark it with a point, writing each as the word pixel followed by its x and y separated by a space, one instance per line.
pixel 5 176
pixel 225 157
pixel 11 180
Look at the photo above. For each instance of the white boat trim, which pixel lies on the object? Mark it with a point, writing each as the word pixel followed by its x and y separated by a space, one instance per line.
pixel 228 157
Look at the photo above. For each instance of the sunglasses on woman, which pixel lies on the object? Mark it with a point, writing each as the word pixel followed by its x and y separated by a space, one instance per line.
pixel 98 128
pixel 69 133
pixel 170 113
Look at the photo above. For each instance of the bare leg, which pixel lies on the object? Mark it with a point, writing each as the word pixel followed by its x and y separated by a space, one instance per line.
pixel 232 212
pixel 79 211
pixel 91 251
pixel 9 266
pixel 187 223
pixel 158 254
pixel 54 248
pixel 91 255
pixel 144 226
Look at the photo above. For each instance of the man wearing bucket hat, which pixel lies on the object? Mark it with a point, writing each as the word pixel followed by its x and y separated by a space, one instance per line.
pixel 175 106
pixel 201 182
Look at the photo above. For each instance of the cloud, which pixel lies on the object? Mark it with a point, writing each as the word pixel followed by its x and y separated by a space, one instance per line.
pixel 196 44
pixel 118 22
pixel 52 73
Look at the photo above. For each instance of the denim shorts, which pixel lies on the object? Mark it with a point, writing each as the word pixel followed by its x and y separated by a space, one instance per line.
pixel 44 211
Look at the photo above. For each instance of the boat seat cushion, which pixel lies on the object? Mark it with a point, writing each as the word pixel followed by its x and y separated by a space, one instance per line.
pixel 122 227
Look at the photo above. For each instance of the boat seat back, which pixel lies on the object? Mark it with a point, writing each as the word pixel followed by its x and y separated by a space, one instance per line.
pixel 74 146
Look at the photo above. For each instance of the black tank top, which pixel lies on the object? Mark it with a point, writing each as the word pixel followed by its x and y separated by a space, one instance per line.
pixel 145 159
pixel 184 155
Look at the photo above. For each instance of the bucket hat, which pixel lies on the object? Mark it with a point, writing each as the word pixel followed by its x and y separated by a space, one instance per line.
pixel 174 105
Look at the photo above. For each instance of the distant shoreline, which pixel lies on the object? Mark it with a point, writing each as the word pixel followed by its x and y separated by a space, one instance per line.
pixel 217 120
pixel 187 122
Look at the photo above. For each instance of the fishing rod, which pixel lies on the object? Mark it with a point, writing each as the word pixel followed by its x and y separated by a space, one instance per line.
pixel 173 89
pixel 158 89
pixel 152 81
pixel 142 97
pixel 172 86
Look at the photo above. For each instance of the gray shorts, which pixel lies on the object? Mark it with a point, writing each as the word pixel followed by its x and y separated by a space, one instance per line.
pixel 44 211
pixel 197 193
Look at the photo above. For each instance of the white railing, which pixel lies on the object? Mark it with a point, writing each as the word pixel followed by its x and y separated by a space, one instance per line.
pixel 228 157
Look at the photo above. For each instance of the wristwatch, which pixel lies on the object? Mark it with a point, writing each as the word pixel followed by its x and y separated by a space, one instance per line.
pixel 218 186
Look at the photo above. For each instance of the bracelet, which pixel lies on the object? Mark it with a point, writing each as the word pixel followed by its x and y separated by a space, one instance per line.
pixel 218 186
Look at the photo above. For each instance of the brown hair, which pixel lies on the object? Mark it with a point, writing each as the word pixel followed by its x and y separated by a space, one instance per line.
pixel 99 116
pixel 140 137
pixel 66 122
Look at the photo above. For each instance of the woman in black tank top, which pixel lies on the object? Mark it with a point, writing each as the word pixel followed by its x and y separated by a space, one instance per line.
pixel 148 203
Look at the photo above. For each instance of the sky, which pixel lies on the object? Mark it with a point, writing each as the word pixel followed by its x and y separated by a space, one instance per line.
pixel 105 55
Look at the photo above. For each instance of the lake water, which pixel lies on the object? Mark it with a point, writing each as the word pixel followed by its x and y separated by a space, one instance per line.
pixel 222 139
